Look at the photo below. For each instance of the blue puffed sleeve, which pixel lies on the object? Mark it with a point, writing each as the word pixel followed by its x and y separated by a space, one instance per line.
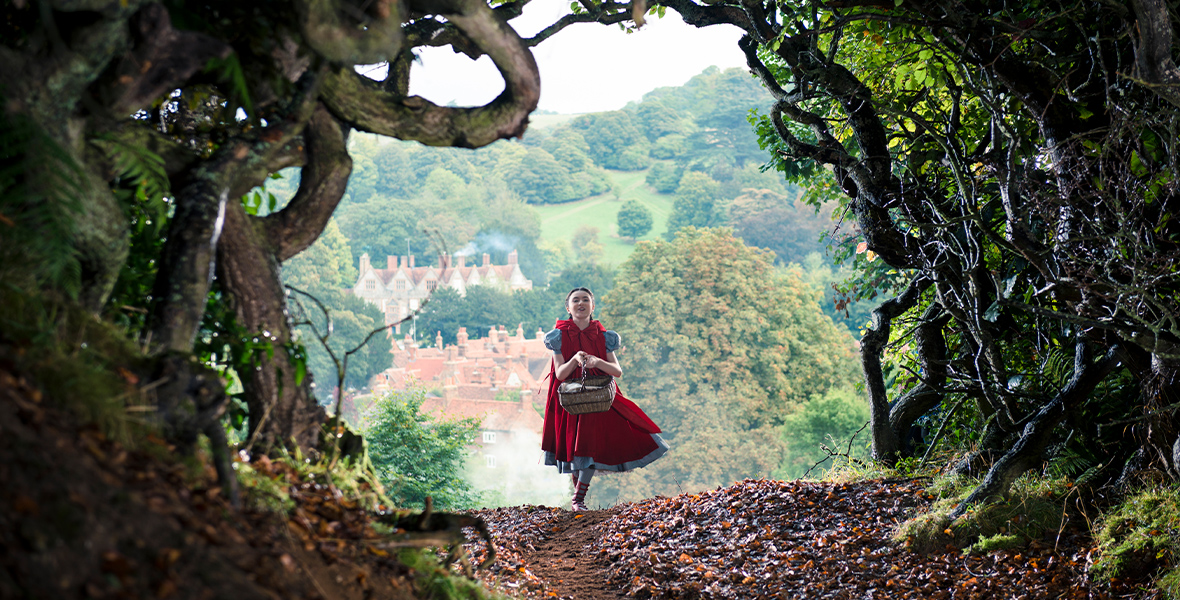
pixel 612 339
pixel 553 340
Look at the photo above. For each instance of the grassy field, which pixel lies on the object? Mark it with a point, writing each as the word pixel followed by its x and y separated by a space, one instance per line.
pixel 559 221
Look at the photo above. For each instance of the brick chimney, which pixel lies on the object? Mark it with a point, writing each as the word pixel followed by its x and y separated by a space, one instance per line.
pixel 512 257
pixel 365 262
pixel 461 261
pixel 390 262
pixel 487 259
pixel 411 261
pixel 461 341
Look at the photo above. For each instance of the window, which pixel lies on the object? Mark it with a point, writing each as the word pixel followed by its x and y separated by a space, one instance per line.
pixel 491 461
pixel 489 437
pixel 370 285
pixel 401 285
pixel 431 285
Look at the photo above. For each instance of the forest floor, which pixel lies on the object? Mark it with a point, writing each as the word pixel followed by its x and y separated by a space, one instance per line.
pixel 86 516
pixel 771 539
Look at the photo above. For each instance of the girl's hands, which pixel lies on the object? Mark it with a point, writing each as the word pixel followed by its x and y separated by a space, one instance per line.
pixel 587 360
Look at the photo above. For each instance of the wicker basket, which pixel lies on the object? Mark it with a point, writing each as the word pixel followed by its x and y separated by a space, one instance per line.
pixel 590 394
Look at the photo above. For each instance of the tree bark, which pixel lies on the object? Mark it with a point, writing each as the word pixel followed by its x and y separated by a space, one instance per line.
pixel 886 441
pixel 282 410
pixel 930 345
pixel 1153 53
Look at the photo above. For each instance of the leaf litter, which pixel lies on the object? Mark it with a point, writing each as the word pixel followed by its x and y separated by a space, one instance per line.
pixel 762 539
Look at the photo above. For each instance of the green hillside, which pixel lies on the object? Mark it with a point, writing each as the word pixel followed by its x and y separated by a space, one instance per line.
pixel 559 221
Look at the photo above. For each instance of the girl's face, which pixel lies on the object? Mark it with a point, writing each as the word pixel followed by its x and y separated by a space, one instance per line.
pixel 580 304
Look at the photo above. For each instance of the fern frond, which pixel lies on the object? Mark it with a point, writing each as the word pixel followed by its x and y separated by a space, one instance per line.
pixel 40 199
pixel 141 171
pixel 1057 367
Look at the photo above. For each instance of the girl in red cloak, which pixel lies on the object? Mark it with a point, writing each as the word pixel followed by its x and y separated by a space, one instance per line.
pixel 620 439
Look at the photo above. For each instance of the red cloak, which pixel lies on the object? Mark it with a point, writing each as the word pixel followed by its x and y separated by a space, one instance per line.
pixel 618 439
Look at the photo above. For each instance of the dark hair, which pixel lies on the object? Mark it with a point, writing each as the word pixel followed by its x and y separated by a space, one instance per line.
pixel 578 289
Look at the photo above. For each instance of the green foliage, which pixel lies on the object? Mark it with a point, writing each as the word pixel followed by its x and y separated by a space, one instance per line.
pixel 831 419
pixel 767 219
pixel 143 188
pixel 720 348
pixel 614 139
pixel 325 265
pixel 634 219
pixel 698 204
pixel 664 176
pixel 416 455
pixel 717 103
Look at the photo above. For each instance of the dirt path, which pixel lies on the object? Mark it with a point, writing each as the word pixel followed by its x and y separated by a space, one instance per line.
pixel 570 558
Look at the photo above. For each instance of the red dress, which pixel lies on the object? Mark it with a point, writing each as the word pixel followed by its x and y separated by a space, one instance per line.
pixel 620 439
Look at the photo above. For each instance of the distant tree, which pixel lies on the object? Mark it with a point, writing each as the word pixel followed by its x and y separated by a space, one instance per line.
pixel 634 219
pixel 719 349
pixel 586 245
pixel 441 184
pixel 557 254
pixel 832 419
pixel 327 264
pixel 444 313
pixel 657 120
pixel 351 320
pixel 697 204
pixel 569 146
pixel 599 278
pixel 324 270
pixel 675 146
pixel 773 221
pixel 488 307
pixel 537 308
pixel 382 226
pixel 615 141
pixel 664 176
pixel 418 455
pixel 540 179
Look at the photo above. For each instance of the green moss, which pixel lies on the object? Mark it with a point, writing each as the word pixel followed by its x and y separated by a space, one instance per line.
pixel 1000 541
pixel 1034 507
pixel 435 582
pixel 80 363
pixel 1139 536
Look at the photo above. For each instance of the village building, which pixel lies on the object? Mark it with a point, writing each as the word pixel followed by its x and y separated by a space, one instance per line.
pixel 401 287
pixel 497 379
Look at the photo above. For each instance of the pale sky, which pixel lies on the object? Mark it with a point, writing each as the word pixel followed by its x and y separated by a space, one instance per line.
pixel 586 67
